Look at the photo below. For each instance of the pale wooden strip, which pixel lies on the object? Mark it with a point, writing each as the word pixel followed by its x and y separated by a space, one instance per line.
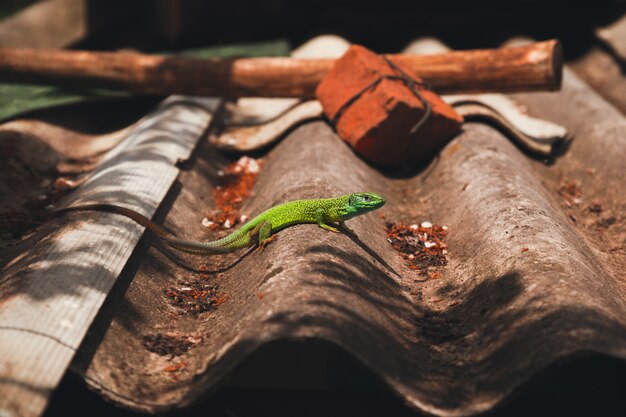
pixel 64 287
pixel 614 36
pixel 539 130
pixel 252 138
pixel 46 24
pixel 59 23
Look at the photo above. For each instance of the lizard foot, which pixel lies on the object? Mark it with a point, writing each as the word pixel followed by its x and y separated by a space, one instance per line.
pixel 266 242
pixel 328 227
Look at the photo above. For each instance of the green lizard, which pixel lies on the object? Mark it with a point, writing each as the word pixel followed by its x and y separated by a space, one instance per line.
pixel 263 228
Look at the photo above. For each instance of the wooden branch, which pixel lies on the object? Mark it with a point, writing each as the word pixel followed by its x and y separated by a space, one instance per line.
pixel 522 68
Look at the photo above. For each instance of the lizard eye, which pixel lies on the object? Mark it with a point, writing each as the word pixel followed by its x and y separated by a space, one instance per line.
pixel 366 197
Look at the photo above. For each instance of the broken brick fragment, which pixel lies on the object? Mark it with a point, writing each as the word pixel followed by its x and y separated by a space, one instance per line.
pixel 378 123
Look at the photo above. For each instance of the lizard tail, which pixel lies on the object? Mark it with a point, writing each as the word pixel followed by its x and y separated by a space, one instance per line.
pixel 133 215
pixel 196 248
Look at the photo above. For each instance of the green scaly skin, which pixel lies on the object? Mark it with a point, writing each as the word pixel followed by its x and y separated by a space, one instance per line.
pixel 262 229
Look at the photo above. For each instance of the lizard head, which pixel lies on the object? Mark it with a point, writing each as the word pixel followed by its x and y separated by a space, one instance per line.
pixel 365 202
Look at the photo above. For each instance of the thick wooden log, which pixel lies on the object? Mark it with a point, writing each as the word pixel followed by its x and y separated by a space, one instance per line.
pixel 531 67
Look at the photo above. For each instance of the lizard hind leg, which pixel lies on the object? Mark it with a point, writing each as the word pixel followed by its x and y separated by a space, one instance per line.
pixel 264 234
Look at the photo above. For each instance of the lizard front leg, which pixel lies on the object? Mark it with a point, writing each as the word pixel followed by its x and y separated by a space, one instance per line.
pixel 320 217
pixel 344 226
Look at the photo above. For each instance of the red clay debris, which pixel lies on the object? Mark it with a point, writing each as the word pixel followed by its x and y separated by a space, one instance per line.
pixel 378 123
pixel 435 275
pixel 167 345
pixel 195 297
pixel 606 222
pixel 65 184
pixel 175 367
pixel 235 184
pixel 571 194
pixel 595 207
pixel 422 246
pixel 589 215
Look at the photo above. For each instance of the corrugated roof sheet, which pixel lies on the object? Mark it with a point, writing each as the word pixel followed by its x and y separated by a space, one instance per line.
pixel 534 275
pixel 453 346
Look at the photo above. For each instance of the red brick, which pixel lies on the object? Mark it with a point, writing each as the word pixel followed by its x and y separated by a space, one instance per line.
pixel 377 125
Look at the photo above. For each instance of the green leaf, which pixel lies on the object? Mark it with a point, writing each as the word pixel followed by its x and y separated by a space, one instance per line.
pixel 16 99
pixel 270 48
